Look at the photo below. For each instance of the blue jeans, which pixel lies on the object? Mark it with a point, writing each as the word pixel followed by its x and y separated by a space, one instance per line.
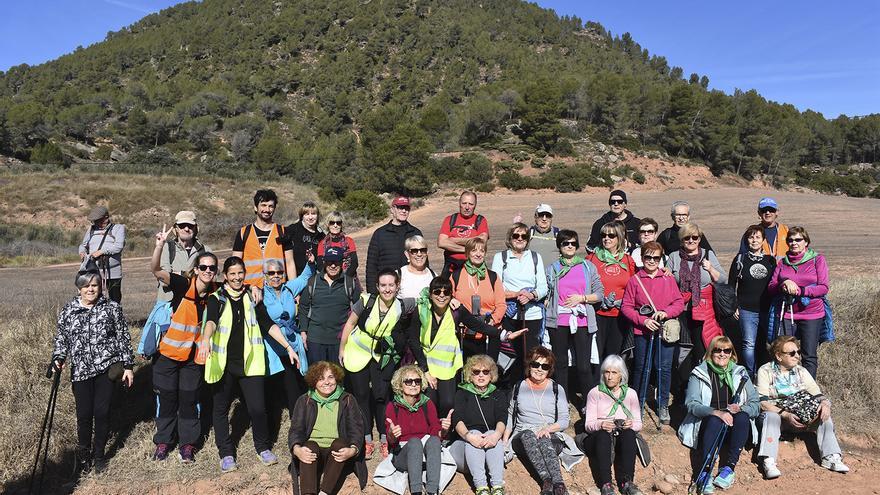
pixel 735 439
pixel 749 323
pixel 807 331
pixel 322 352
pixel 639 360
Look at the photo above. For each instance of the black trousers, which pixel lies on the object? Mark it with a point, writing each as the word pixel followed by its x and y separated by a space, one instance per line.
pixel 580 344
pixel 92 398
pixel 529 340
pixel 624 455
pixel 176 384
pixel 444 396
pixel 371 387
pixel 609 337
pixel 252 392
pixel 114 289
pixel 294 384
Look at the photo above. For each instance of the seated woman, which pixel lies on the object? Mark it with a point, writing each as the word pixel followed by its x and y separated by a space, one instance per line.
pixel 784 377
pixel 480 413
pixel 536 417
pixel 719 394
pixel 613 410
pixel 414 431
pixel 328 433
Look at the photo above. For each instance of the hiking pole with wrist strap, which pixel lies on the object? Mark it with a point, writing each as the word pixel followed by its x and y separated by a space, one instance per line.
pixel 53 372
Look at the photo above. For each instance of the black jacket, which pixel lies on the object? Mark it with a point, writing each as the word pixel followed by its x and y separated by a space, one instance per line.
pixel 632 230
pixel 386 250
pixel 493 409
pixel 670 242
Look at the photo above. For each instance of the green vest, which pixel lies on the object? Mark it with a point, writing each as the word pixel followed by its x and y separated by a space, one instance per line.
pixel 254 348
pixel 362 342
pixel 444 352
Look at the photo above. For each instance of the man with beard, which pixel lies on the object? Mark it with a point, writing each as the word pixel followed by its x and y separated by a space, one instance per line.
pixel 263 240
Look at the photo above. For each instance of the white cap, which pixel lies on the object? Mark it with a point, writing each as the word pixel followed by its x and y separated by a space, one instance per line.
pixel 543 208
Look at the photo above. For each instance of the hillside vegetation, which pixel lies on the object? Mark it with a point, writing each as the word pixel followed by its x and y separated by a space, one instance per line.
pixel 354 94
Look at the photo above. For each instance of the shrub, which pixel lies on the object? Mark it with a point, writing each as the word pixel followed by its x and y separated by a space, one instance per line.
pixel 485 187
pixel 103 152
pixel 364 203
pixel 514 181
pixel 476 168
pixel 520 156
pixel 639 177
pixel 508 165
pixel 47 153
pixel 538 162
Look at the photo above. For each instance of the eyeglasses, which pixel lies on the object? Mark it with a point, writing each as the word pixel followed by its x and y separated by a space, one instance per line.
pixel 681 215
pixel 691 238
pixel 418 251
pixel 767 210
pixel 793 353
pixel 334 222
pixel 273 273
pixel 519 237
pixel 481 372
pixel 655 259
pixel 543 214
pixel 616 202
pixel 794 240
pixel 412 381
pixel 651 231
pixel 609 235
pixel 208 268
pixel 726 350
pixel 402 208
pixel 440 292
pixel 570 243
pixel 188 226
pixel 544 366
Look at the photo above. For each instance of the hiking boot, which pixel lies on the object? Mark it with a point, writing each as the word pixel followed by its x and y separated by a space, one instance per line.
pixel 227 464
pixel 547 487
pixel 268 458
pixel 607 489
pixel 725 478
pixel 368 450
pixel 663 415
pixel 559 489
pixel 82 462
pixel 161 452
pixel 770 470
pixel 630 488
pixel 834 463
pixel 187 454
pixel 383 448
pixel 497 490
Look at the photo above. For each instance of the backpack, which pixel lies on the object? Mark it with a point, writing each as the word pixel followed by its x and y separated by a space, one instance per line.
pixel 456 275
pixel 454 218
pixel 249 227
pixel 554 230
pixel 534 261
pixel 349 289
pixel 154 328
pixel 515 400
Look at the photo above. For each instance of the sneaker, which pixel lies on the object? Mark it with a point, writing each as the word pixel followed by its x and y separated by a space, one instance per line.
pixel 268 458
pixel 630 488
pixel 663 414
pixel 607 489
pixel 383 448
pixel 161 452
pixel 704 480
pixel 497 490
pixel 368 450
pixel 483 490
pixel 187 454
pixel 547 488
pixel 227 464
pixel 725 478
pixel 834 463
pixel 559 489
pixel 770 470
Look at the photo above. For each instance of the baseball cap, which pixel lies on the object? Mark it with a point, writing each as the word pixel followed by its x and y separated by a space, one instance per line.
pixel 98 213
pixel 400 201
pixel 767 203
pixel 185 216
pixel 333 254
pixel 543 208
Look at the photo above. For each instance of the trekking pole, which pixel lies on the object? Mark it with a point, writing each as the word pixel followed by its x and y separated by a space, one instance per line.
pixel 659 377
pixel 521 310
pixel 646 372
pixel 54 373
pixel 705 473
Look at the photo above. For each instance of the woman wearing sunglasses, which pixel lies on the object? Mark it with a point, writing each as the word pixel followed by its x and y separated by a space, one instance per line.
pixel 337 238
pixel 720 396
pixel 536 419
pixel 479 418
pixel 416 274
pixel 785 377
pixel 801 277
pixel 177 374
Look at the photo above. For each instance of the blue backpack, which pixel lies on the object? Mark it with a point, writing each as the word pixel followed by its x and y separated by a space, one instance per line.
pixel 154 328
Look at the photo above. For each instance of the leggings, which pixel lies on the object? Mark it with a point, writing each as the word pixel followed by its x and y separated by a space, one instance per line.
pixel 444 396
pixel 529 339
pixel 609 337
pixel 253 394
pixel 324 470
pixel 624 451
pixel 410 458
pixel 478 460
pixel 371 387
pixel 580 344
pixel 92 397
pixel 540 453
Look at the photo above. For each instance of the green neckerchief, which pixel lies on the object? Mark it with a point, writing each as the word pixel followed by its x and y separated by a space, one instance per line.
pixel 400 399
pixel 328 401
pixel 472 389
pixel 423 303
pixel 478 271
pixel 810 254
pixel 606 257
pixel 618 401
pixel 723 374
pixel 567 264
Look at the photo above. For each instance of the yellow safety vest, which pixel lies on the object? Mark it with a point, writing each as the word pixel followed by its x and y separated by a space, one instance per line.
pixel 254 347
pixel 361 344
pixel 444 352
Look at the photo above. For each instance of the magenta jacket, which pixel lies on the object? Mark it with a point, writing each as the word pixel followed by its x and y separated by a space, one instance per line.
pixel 812 279
pixel 664 292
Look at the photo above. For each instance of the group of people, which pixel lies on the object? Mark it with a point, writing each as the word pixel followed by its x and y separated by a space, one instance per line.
pixel 467 365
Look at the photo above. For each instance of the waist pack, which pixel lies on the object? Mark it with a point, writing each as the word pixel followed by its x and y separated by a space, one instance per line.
pixel 670 331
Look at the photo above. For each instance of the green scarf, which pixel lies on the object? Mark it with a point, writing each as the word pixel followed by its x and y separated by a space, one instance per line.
pixel 618 401
pixel 400 399
pixel 723 374
pixel 475 271
pixel 606 257
pixel 473 389
pixel 326 401
pixel 810 254
pixel 567 265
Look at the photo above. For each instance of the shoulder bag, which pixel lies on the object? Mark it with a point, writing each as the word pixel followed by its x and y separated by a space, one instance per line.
pixel 670 330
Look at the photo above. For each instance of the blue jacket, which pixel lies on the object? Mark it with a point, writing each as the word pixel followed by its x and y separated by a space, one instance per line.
pixel 277 306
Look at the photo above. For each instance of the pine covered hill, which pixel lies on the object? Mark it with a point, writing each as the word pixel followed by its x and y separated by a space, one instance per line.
pixel 356 94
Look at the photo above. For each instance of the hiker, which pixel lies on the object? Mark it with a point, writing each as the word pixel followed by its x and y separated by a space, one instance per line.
pixel 476 280
pixel 416 274
pixel 101 249
pixel 612 417
pixel 337 238
pixel 669 238
pixel 647 233
pixel 279 298
pixel 722 405
pixel 177 373
pixel 774 232
pixel 615 267
pixel 478 421
pixel 537 416
pixel 370 347
pixel 574 290
pixel 543 233
pixel 324 308
pixel 387 245
pixel 305 234
pixel 801 277
pixel 92 337
pixel 457 228
pixel 750 274
pixel 780 383
pixel 327 435
pixel 617 211
pixel 263 240
pixel 233 345
pixel 415 432
pixel 525 287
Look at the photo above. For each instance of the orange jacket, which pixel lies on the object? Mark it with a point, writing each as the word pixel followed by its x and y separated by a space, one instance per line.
pixel 491 298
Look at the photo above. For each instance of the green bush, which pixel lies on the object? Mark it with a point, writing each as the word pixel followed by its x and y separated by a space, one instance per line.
pixel 538 162
pixel 520 156
pixel 47 153
pixel 507 165
pixel 514 181
pixel 364 203
pixel 477 168
pixel 103 152
pixel 485 187
pixel 639 177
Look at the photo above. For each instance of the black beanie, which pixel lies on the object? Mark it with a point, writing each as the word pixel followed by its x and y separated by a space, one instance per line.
pixel 617 192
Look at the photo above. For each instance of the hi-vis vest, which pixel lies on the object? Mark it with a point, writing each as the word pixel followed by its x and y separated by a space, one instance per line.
pixel 362 342
pixel 254 347
pixel 443 353
pixel 254 257
pixel 184 330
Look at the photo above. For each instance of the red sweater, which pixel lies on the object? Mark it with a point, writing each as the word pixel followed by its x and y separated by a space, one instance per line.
pixel 614 279
pixel 413 424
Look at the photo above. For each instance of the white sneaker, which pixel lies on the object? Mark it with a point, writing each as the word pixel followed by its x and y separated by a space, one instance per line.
pixel 834 463
pixel 770 470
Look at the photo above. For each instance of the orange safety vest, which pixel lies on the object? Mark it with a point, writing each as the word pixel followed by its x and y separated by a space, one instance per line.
pixel 780 247
pixel 184 330
pixel 254 257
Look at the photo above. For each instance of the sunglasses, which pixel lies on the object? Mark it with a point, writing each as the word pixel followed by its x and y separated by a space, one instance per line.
pixel 570 243
pixel 655 259
pixel 188 226
pixel 481 372
pixel 616 202
pixel 543 215
pixel 520 237
pixel 609 235
pixel 273 273
pixel 726 350
pixel 651 231
pixel 793 353
pixel 767 210
pixel 794 240
pixel 440 292
pixel 418 251
pixel 691 238
pixel 335 222
pixel 412 381
pixel 208 268
pixel 544 366
pixel 404 208
pixel 332 263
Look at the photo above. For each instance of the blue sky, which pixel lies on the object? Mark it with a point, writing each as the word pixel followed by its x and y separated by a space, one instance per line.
pixel 814 54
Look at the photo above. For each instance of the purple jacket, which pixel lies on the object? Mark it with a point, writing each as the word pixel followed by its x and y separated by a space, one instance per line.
pixel 664 292
pixel 812 279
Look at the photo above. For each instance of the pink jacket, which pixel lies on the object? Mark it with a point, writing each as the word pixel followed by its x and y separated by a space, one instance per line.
pixel 599 405
pixel 664 292
pixel 812 279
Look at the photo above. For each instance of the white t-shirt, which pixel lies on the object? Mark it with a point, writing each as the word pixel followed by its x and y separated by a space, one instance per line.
pixel 411 284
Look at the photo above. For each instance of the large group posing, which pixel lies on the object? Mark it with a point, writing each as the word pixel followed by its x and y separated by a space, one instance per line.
pixel 465 365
